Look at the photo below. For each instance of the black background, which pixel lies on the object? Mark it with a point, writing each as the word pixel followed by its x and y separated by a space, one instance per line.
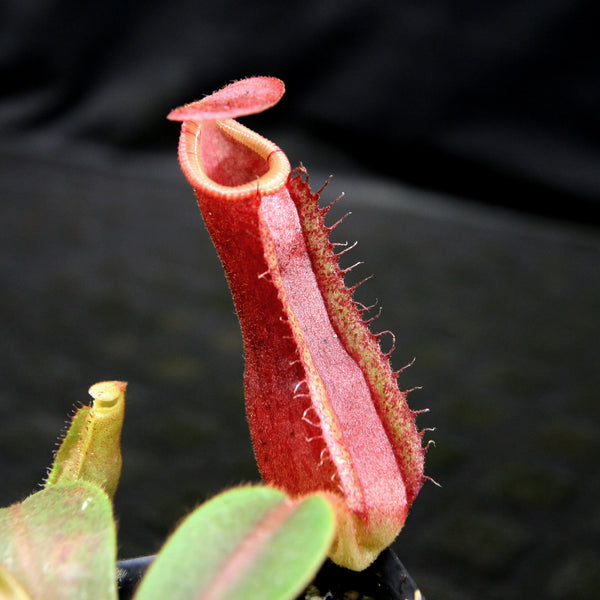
pixel 466 136
pixel 461 96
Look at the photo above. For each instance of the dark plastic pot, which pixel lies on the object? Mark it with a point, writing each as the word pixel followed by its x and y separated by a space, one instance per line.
pixel 385 579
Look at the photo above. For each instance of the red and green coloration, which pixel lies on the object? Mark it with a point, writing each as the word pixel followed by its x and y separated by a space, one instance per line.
pixel 91 448
pixel 324 408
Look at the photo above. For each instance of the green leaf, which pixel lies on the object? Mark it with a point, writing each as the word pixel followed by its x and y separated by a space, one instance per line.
pixel 249 543
pixel 60 544
pixel 91 449
pixel 10 588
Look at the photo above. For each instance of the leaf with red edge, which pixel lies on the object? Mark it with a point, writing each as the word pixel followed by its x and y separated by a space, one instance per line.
pixel 249 543
pixel 60 543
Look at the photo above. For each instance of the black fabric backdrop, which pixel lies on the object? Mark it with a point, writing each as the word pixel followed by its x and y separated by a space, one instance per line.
pixel 414 106
pixel 498 99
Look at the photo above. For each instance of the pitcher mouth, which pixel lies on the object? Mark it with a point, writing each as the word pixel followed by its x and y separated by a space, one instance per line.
pixel 225 159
